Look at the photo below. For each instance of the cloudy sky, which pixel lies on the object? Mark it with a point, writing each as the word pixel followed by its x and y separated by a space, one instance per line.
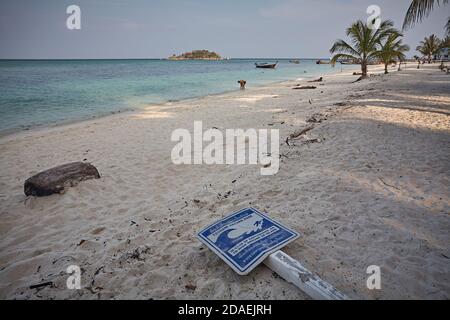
pixel 158 28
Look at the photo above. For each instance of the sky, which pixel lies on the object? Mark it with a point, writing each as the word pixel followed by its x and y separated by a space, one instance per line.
pixel 110 29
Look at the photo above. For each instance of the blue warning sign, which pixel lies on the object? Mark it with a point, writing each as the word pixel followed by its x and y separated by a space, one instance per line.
pixel 245 238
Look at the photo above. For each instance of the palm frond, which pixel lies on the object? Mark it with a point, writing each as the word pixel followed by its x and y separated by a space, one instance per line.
pixel 429 46
pixel 343 47
pixel 338 56
pixel 418 10
pixel 447 27
pixel 446 42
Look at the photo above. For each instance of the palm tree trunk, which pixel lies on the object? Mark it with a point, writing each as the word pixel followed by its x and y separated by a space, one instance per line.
pixel 386 68
pixel 364 69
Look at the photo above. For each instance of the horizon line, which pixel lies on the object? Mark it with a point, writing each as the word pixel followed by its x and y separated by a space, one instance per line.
pixel 234 58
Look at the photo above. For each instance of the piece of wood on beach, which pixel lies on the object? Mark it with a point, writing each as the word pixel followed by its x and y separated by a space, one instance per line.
pixel 305 88
pixel 294 272
pixel 301 132
pixel 57 179
pixel 317 118
pixel 41 285
pixel 317 80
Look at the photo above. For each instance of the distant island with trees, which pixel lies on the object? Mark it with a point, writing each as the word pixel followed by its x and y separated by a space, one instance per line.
pixel 197 55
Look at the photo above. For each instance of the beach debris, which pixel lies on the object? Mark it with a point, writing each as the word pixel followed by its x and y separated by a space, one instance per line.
pixel 298 133
pixel 304 88
pixel 190 287
pixel 242 84
pixel 272 124
pixel 136 254
pixel 66 258
pixel 311 141
pixel 41 285
pixel 57 179
pixel 317 80
pixel 388 185
pixel 362 78
pixel 317 118
pixel 340 104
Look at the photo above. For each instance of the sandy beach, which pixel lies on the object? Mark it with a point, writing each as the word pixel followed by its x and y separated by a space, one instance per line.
pixel 369 185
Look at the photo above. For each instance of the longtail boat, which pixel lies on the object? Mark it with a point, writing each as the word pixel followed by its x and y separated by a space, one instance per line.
pixel 322 62
pixel 266 65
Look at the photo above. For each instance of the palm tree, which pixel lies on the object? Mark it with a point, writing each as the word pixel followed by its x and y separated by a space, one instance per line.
pixel 445 43
pixel 392 50
pixel 447 27
pixel 365 43
pixel 429 46
pixel 417 58
pixel 420 9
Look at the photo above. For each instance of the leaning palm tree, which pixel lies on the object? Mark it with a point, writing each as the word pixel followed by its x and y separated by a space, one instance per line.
pixel 392 50
pixel 365 43
pixel 420 9
pixel 429 46
pixel 445 44
pixel 447 27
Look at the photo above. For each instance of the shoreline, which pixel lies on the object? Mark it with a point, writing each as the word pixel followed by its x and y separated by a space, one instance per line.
pixel 12 133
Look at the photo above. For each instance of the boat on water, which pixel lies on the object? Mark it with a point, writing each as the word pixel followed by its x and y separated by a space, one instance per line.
pixel 346 62
pixel 266 65
pixel 322 62
pixel 295 61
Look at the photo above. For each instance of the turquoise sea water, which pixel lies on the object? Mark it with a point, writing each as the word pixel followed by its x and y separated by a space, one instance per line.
pixel 39 93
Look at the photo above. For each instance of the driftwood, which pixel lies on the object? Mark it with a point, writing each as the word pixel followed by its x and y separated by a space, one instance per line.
pixel 40 285
pixel 304 88
pixel 299 133
pixel 317 80
pixel 316 118
pixel 55 180
pixel 388 185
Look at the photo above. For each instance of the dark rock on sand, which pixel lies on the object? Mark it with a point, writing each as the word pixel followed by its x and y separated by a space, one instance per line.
pixel 55 180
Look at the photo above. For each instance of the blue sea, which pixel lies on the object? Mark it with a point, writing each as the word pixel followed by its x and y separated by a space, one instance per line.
pixel 46 92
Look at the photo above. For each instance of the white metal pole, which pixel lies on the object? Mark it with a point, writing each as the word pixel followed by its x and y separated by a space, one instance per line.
pixel 292 271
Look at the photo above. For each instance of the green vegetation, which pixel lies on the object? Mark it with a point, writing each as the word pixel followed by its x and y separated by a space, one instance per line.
pixel 392 50
pixel 420 9
pixel 365 44
pixel 197 55
pixel 445 43
pixel 429 47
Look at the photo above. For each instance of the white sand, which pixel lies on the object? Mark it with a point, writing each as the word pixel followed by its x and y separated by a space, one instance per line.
pixel 374 192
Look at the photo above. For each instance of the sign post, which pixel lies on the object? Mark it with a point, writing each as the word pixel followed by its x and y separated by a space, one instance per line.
pixel 248 237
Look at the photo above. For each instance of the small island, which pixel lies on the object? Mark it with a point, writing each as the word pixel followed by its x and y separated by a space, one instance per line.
pixel 197 55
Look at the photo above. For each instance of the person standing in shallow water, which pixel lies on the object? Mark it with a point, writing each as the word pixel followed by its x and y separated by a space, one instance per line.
pixel 242 83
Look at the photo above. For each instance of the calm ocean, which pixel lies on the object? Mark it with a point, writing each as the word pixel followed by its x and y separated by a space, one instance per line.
pixel 39 93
